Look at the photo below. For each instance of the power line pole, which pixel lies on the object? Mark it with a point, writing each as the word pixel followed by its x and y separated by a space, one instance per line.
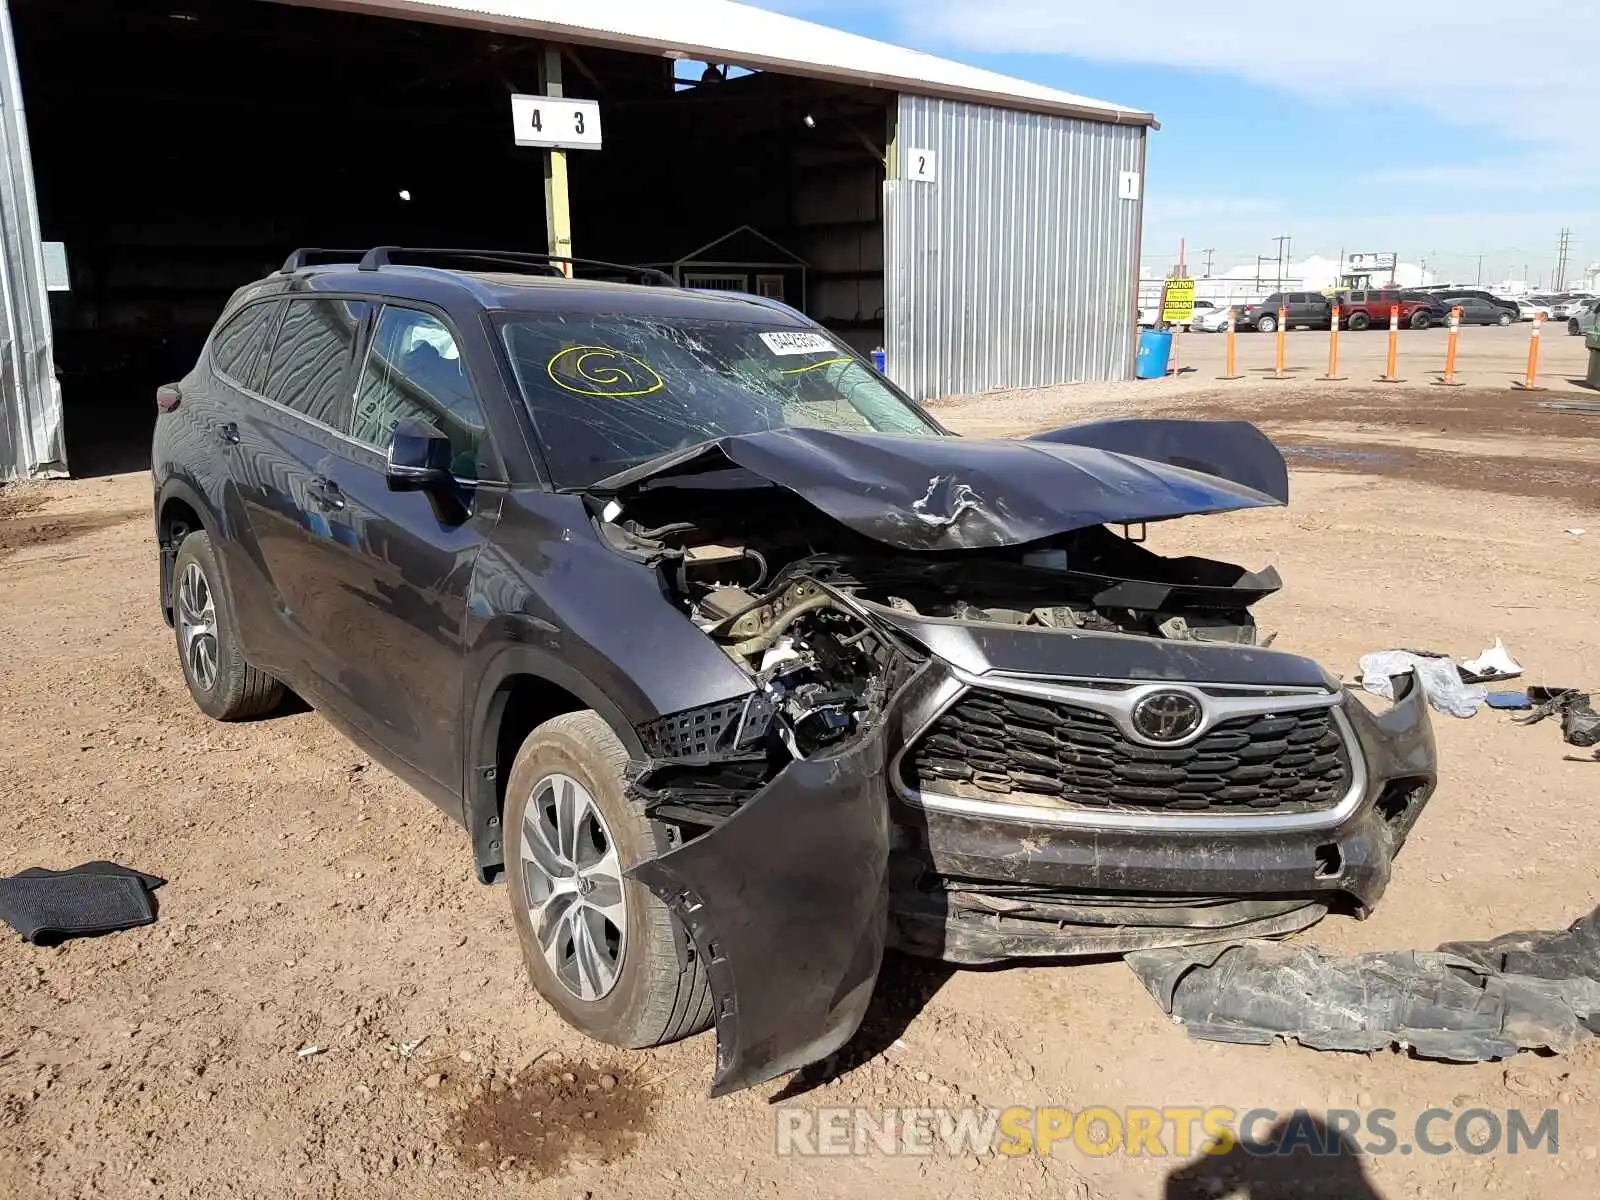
pixel 1560 281
pixel 1208 254
pixel 1282 240
pixel 1480 271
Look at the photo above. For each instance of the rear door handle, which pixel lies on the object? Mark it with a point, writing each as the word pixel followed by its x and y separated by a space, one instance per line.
pixel 228 433
pixel 325 493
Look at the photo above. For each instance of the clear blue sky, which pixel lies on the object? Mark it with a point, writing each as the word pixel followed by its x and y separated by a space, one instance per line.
pixel 1440 131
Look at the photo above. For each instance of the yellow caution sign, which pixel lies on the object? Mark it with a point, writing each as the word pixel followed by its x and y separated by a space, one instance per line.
pixel 1178 305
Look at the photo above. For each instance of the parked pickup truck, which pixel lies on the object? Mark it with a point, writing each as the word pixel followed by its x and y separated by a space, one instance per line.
pixel 1361 310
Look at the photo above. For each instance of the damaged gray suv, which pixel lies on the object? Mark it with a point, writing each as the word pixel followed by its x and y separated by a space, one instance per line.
pixel 735 664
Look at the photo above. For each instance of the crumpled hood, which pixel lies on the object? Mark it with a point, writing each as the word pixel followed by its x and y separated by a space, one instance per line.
pixel 953 493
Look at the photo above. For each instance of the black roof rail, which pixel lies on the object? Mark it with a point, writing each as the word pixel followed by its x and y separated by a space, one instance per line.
pixel 383 256
pixel 304 256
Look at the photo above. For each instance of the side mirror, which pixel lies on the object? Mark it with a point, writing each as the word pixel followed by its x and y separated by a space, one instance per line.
pixel 419 459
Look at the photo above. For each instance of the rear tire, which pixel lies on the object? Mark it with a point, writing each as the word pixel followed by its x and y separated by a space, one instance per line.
pixel 1359 321
pixel 1421 320
pixel 223 684
pixel 1572 328
pixel 1504 319
pixel 619 981
pixel 1266 324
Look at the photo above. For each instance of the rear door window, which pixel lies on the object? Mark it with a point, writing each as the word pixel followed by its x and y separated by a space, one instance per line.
pixel 236 349
pixel 414 370
pixel 309 371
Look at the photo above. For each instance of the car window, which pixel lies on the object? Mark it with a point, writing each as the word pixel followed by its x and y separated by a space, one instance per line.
pixel 414 370
pixel 607 392
pixel 309 369
pixel 236 347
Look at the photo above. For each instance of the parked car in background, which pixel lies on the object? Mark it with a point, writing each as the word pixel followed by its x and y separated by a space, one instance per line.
pixel 1310 310
pixel 1362 310
pixel 1213 320
pixel 1569 308
pixel 1477 311
pixel 1527 310
pixel 1202 308
pixel 1585 316
pixel 1448 296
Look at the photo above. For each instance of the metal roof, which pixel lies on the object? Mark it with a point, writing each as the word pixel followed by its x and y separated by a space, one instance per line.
pixel 725 32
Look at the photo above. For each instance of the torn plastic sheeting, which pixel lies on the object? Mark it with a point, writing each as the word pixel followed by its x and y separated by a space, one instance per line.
pixel 1439 678
pixel 1465 1002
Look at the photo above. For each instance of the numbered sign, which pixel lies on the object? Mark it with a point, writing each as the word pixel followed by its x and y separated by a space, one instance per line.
pixel 922 166
pixel 555 123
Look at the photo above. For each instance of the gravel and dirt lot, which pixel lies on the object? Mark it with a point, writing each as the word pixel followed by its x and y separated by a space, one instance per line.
pixel 329 1005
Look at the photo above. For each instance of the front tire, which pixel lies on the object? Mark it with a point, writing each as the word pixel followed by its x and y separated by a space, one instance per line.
pixel 1421 320
pixel 223 684
pixel 1572 328
pixel 599 947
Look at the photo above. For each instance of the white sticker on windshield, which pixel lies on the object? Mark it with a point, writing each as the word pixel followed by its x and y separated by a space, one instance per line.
pixel 785 344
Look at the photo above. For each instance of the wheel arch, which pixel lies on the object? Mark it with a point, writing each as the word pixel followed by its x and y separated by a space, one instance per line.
pixel 181 509
pixel 519 690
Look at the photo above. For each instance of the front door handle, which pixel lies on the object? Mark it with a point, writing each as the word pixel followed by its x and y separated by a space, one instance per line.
pixel 325 493
pixel 228 433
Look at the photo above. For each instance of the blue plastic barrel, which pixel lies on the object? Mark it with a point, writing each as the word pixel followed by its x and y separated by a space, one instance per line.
pixel 1155 348
pixel 880 360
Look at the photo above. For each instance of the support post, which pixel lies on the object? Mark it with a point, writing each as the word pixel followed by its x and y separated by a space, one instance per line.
pixel 557 204
pixel 1282 347
pixel 1391 371
pixel 1529 384
pixel 1232 368
pixel 1333 375
pixel 1448 379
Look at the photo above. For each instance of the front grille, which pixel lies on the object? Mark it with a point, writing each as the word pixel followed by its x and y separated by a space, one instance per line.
pixel 991 744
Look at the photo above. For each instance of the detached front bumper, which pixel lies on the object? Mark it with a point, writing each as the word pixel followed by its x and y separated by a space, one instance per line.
pixel 978 878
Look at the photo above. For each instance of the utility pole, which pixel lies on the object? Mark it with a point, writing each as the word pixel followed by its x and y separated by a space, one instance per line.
pixel 1283 240
pixel 1480 271
pixel 1208 254
pixel 1560 281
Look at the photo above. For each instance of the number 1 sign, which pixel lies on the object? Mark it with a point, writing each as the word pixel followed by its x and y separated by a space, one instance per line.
pixel 556 123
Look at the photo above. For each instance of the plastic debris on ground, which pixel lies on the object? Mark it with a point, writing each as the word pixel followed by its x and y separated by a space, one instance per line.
pixel 1512 700
pixel 1465 1002
pixel 1494 663
pixel 1440 680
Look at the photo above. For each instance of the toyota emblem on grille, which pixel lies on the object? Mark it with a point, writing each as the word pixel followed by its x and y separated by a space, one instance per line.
pixel 1167 716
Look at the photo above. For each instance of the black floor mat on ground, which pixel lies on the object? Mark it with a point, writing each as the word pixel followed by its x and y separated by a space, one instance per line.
pixel 96 897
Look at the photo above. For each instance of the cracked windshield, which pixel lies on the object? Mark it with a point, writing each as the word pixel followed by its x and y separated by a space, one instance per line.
pixel 609 392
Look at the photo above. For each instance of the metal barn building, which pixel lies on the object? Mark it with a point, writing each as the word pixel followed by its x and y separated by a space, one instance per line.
pixel 156 154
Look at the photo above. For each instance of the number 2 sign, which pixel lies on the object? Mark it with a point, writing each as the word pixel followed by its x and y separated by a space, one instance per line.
pixel 921 166
pixel 555 123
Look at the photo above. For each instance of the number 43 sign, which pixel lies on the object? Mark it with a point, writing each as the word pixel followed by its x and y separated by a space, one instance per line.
pixel 556 123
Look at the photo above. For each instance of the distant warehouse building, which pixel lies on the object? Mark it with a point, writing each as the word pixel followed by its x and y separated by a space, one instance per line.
pixel 156 154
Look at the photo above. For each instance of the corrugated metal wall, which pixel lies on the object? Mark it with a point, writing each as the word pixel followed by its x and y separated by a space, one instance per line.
pixel 1016 266
pixel 31 440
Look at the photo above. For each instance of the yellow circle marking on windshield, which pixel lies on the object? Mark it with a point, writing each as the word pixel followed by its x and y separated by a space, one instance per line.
pixel 827 362
pixel 602 371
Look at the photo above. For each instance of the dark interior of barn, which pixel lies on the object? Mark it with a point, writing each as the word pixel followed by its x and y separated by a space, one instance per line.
pixel 184 147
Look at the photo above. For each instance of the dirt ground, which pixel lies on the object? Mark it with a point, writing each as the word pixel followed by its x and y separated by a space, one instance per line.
pixel 329 1005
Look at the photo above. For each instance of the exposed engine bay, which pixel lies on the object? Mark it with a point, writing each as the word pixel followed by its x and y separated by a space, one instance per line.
pixel 807 623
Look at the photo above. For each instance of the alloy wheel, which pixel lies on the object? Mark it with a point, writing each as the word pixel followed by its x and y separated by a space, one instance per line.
pixel 197 627
pixel 572 886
